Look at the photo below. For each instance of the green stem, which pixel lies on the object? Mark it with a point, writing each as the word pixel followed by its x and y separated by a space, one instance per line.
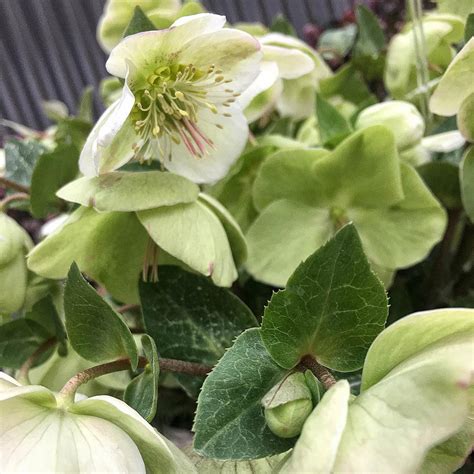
pixel 24 370
pixel 69 390
pixel 12 185
pixel 13 197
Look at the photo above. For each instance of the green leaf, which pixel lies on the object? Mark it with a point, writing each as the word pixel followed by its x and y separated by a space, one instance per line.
pixel 418 332
pixel 230 422
pixel 45 313
pixel 336 43
pixel 109 247
pixel 443 180
pixel 166 226
pixel 53 169
pixel 333 127
pixel 235 190
pixel 142 392
pixel 467 182
pixel 95 330
pixel 85 109
pixel 128 191
pixel 204 465
pixel 469 29
pixel 281 24
pixel 192 319
pixel 72 131
pixel 333 307
pixel 316 448
pixel 139 23
pixel 19 339
pixel 20 160
pixel 367 55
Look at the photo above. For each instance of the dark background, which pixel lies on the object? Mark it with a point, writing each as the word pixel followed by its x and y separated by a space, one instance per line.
pixel 49 48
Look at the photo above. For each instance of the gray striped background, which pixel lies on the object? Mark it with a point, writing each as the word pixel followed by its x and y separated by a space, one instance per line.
pixel 49 50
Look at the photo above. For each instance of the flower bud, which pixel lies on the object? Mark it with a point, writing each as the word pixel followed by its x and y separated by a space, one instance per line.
pixel 401 118
pixel 287 405
pixel 14 244
pixel 40 432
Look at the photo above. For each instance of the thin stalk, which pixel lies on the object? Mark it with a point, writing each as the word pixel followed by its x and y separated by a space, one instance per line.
pixel 319 371
pixel 22 376
pixel 12 185
pixel 68 392
pixel 13 197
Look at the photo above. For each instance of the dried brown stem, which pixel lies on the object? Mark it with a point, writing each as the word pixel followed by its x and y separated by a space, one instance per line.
pixel 320 372
pixel 8 183
pixel 28 364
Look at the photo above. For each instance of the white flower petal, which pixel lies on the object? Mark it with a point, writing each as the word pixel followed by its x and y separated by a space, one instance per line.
pixel 292 63
pixel 97 148
pixel 237 53
pixel 298 97
pixel 228 145
pixel 267 78
pixel 139 48
pixel 7 382
pixel 157 452
pixel 48 440
pixel 264 103
pixel 444 142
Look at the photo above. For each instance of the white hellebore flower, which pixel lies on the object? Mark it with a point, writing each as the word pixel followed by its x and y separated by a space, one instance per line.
pixel 39 433
pixel 288 79
pixel 178 103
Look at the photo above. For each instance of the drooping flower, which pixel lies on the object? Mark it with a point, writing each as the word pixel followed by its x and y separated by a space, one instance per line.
pixel 288 79
pixel 178 103
pixel 41 432
pixel 14 244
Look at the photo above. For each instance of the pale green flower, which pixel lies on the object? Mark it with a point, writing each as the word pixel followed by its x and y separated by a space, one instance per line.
pixel 41 432
pixel 14 244
pixel 402 118
pixel 455 91
pixel 118 13
pixel 178 103
pixel 288 80
pixel 440 31
pixel 306 195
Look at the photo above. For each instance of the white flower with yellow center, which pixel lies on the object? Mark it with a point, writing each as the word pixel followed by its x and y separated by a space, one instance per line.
pixel 179 100
pixel 288 80
pixel 40 432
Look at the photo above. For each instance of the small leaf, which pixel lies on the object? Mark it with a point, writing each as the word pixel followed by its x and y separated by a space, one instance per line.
pixel 85 109
pixel 333 307
pixel 467 182
pixel 128 191
pixel 192 319
pixel 469 29
pixel 53 169
pixel 139 23
pixel 142 392
pixel 369 44
pixel 95 330
pixel 333 127
pixel 20 160
pixel 19 339
pixel 443 180
pixel 72 131
pixel 45 313
pixel 281 24
pixel 230 422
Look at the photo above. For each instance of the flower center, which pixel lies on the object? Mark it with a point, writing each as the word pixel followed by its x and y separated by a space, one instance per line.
pixel 167 109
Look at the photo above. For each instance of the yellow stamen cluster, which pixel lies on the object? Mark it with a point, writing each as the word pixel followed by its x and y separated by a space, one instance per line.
pixel 167 109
